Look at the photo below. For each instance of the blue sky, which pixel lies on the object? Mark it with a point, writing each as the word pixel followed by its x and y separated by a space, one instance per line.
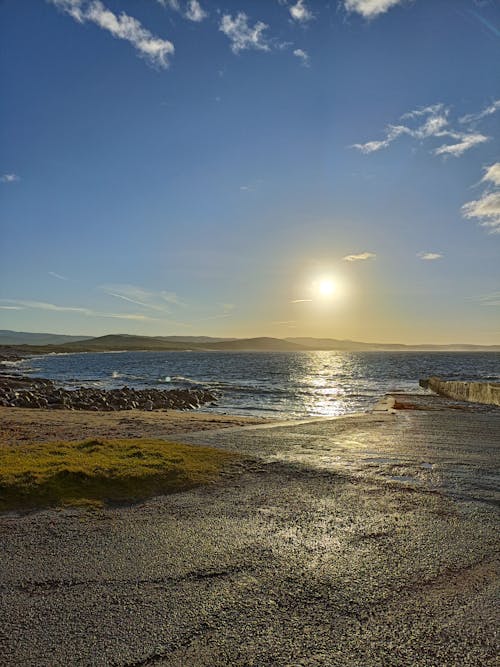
pixel 183 167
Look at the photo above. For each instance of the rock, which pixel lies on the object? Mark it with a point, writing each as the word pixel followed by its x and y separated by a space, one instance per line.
pixel 19 391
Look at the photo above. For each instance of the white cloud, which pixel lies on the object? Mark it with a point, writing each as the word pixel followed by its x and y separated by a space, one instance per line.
pixel 369 9
pixel 392 133
pixel 141 297
pixel 173 4
pixel 485 210
pixel 300 12
pixel 488 111
pixel 434 126
pixel 154 49
pixel 88 312
pixel 431 122
pixel 492 299
pixel 195 12
pixel 432 109
pixel 492 174
pixel 360 257
pixel 242 35
pixel 303 56
pixel 227 308
pixel 300 300
pixel 9 178
pixel 193 9
pixel 467 141
pixel 57 275
pixel 372 146
pixel 430 256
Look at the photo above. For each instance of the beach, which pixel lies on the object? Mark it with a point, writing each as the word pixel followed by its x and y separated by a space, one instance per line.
pixel 369 539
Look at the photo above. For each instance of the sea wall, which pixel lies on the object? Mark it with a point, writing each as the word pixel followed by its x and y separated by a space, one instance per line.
pixel 476 392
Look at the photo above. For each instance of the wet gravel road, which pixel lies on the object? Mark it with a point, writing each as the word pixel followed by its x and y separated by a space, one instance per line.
pixel 363 541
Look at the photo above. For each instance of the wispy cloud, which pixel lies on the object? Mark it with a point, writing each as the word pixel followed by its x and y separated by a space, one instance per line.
pixel 300 12
pixel 488 24
pixel 300 300
pixel 195 12
pixel 242 35
pixel 432 122
pixel 155 50
pixel 192 10
pixel 57 275
pixel 487 111
pixel 467 141
pixel 360 257
pixel 303 56
pixel 486 210
pixel 430 256
pixel 173 4
pixel 88 312
pixel 392 133
pixel 492 299
pixel 369 9
pixel 227 308
pixel 9 178
pixel 158 301
pixel 492 174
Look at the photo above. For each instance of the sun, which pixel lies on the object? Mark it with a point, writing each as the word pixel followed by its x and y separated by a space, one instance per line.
pixel 326 288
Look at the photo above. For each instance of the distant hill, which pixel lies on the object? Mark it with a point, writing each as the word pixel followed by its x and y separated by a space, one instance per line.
pixel 26 338
pixel 257 344
pixel 354 346
pixel 126 342
pixel 330 344
pixel 121 342
pixel 194 339
pixel 35 343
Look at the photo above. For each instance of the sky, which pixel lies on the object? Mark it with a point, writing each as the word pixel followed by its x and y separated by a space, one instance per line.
pixel 251 168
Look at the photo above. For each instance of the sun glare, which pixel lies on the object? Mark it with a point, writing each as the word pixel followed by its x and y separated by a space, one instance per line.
pixel 326 288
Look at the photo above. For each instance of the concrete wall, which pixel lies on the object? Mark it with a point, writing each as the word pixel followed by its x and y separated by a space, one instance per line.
pixel 477 392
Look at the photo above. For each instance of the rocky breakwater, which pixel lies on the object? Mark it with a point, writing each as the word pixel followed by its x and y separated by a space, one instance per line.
pixel 475 392
pixel 22 392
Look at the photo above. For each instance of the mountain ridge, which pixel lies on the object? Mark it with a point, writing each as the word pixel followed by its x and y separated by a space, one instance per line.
pixel 131 342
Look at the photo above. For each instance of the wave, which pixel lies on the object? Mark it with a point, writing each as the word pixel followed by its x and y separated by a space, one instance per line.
pixel 11 364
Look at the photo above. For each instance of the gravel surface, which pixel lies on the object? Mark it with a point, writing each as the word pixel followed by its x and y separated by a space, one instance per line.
pixel 363 541
pixel 19 426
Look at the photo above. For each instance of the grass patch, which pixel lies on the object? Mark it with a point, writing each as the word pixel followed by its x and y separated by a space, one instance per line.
pixel 100 471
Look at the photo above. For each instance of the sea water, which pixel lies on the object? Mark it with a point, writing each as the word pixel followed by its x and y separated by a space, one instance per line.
pixel 272 384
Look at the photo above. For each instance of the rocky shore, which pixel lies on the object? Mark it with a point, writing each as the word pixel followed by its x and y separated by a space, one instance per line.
pixel 22 392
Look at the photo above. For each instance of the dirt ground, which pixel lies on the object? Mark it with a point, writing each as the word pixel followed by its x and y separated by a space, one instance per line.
pixel 19 426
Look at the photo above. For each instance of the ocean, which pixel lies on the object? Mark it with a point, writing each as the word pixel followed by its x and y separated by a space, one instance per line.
pixel 272 384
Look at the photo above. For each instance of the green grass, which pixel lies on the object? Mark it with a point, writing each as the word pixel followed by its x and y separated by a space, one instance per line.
pixel 99 471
